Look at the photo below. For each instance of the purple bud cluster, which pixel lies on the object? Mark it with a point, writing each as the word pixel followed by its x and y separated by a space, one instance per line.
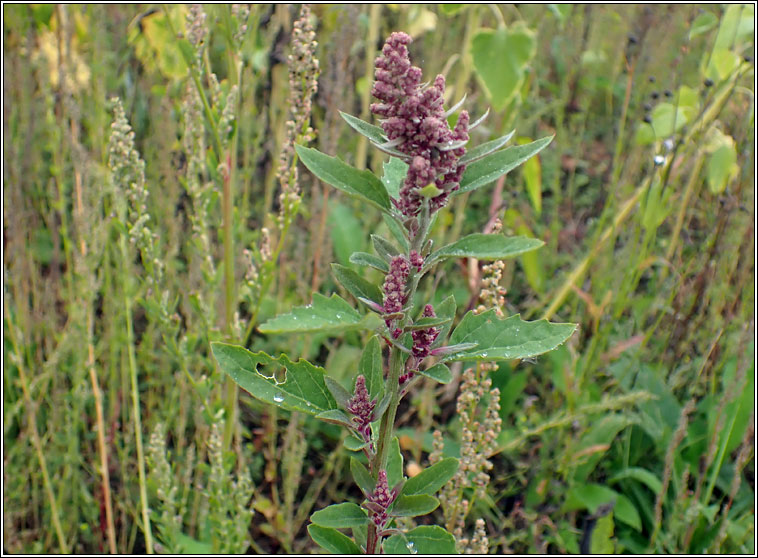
pixel 415 123
pixel 423 339
pixel 416 259
pixel 380 500
pixel 394 287
pixel 361 406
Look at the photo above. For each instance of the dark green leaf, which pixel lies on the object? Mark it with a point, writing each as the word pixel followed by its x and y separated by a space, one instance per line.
pixel 325 314
pixel 641 475
pixel 478 152
pixel 384 247
pixel 374 133
pixel 493 166
pixel 361 476
pixel 487 247
pixel 506 339
pixel 591 496
pixel 431 479
pixel 355 284
pixel 361 184
pixel 354 444
pixel 438 372
pixel 372 369
pixel 445 309
pixel 332 540
pixel 427 539
pixel 340 516
pixel 340 394
pixel 394 463
pixel 303 388
pixel 397 230
pixel 364 259
pixel 415 505
pixel 425 323
pixel 335 416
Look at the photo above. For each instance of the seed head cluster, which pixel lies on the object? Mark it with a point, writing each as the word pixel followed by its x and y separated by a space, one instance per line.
pixel 415 124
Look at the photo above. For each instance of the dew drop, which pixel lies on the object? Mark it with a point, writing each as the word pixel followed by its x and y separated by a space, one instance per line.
pixel 278 398
pixel 411 547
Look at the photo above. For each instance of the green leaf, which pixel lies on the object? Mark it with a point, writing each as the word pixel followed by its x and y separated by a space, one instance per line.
pixel 335 416
pixel 431 479
pixel 394 175
pixel 370 260
pixel 331 315
pixel 438 372
pixel 500 59
pixel 600 434
pixel 340 516
pixel 346 231
pixel 340 394
pixel 332 540
pixel 591 496
pixel 394 463
pixel 372 369
pixel 737 23
pixel 189 545
pixel 532 173
pixel 352 443
pixel 702 23
pixel 355 284
pixel 384 247
pixel 493 166
pixel 445 309
pixel 451 9
pixel 397 230
pixel 722 167
pixel 426 539
pixel 426 323
pixel 641 475
pixel 487 247
pixel 506 339
pixel 359 183
pixel 303 388
pixel 374 133
pixel 478 152
pixel 415 505
pixel 602 536
pixel 361 476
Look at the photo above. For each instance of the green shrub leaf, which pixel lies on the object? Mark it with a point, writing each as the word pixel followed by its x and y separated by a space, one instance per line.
pixel 394 463
pixel 431 479
pixel 302 389
pixel 340 516
pixel 487 247
pixel 331 315
pixel 415 505
pixel 369 260
pixel 493 166
pixel 355 284
pixel 332 540
pixel 371 367
pixel 359 183
pixel 481 150
pixel 439 372
pixel 361 476
pixel 506 339
pixel 427 539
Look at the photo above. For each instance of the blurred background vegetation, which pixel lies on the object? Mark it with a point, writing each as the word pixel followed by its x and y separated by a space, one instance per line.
pixel 645 199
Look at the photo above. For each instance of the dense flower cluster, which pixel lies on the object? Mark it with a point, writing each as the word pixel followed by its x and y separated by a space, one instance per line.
pixel 361 406
pixel 394 287
pixel 380 500
pixel 415 124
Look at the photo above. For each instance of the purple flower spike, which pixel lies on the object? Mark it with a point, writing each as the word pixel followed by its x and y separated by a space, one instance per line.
pixel 381 499
pixel 416 260
pixel 416 117
pixel 361 407
pixel 394 285
pixel 424 338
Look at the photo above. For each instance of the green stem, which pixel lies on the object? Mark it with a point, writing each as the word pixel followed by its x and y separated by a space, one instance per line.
pixel 135 404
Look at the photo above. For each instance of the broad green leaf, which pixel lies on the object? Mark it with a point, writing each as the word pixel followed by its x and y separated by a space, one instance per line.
pixel 722 167
pixel 364 259
pixel 478 152
pixel 591 496
pixel 426 539
pixel 359 183
pixel 500 60
pixel 340 516
pixel 438 372
pixel 346 231
pixel 431 479
pixel 394 463
pixel 394 175
pixel 602 536
pixel 303 388
pixel 493 166
pixel 426 323
pixel 354 444
pixel 397 230
pixel 487 247
pixel 384 247
pixel 340 394
pixel 415 505
pixel 639 474
pixel 361 476
pixel 506 339
pixel 355 284
pixel 335 416
pixel 374 133
pixel 331 315
pixel 702 23
pixel 332 540
pixel 445 309
pixel 532 173
pixel 372 368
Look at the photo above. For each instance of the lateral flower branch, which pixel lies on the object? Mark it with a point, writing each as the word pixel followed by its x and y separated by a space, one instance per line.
pixel 429 164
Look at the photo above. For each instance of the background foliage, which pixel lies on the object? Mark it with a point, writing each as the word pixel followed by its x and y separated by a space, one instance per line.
pixel 645 199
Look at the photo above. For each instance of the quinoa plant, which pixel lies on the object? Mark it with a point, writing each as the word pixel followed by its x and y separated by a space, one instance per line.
pixel 429 164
